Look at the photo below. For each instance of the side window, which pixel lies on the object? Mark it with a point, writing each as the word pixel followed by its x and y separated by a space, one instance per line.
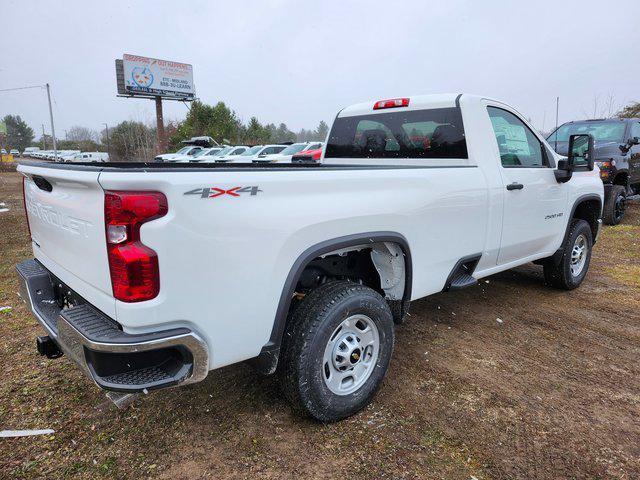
pixel 518 146
pixel 635 129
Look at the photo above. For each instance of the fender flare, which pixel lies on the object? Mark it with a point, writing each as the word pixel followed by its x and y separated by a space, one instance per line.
pixel 557 256
pixel 267 360
pixel 576 204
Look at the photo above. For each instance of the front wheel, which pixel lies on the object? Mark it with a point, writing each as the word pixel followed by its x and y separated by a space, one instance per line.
pixel 615 205
pixel 337 347
pixel 569 273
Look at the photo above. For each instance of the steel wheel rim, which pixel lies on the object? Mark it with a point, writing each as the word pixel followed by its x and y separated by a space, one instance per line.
pixel 579 255
pixel 351 354
pixel 620 206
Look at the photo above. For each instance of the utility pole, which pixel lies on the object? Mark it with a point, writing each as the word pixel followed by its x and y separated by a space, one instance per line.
pixel 162 139
pixel 44 139
pixel 108 149
pixel 555 147
pixel 53 130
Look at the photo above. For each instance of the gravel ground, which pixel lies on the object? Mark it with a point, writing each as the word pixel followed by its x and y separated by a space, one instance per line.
pixel 552 390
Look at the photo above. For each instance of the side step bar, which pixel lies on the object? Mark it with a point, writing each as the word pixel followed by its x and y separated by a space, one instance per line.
pixel 462 274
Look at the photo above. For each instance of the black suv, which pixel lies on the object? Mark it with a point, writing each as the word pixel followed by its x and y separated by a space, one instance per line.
pixel 617 152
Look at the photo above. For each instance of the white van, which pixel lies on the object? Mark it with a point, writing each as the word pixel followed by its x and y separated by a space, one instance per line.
pixel 29 151
pixel 90 157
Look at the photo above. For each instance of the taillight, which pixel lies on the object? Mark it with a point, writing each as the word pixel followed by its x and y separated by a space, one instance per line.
pixel 135 275
pixel 24 203
pixel 391 103
pixel 605 168
pixel 317 155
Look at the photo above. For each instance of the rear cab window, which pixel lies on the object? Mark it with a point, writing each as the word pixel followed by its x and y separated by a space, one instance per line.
pixel 409 134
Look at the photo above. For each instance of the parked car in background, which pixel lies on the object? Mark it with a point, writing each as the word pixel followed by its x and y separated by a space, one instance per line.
pixel 15 152
pixel 3 151
pixel 265 154
pixel 285 155
pixel 312 155
pixel 244 157
pixel 228 154
pixel 617 153
pixel 159 275
pixel 196 157
pixel 66 155
pixel 29 151
pixel 184 151
pixel 90 157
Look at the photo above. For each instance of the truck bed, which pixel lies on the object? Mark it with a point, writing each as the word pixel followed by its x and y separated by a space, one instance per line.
pixel 193 167
pixel 240 228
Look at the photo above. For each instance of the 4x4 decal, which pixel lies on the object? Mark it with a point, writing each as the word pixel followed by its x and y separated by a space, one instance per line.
pixel 213 192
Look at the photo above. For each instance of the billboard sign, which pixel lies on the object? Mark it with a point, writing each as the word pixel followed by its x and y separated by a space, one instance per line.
pixel 151 77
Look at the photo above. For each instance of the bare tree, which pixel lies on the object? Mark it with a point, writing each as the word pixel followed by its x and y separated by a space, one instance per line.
pixel 611 106
pixel 81 134
pixel 607 110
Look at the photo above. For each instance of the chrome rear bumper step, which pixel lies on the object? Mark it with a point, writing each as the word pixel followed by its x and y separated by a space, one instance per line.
pixel 113 359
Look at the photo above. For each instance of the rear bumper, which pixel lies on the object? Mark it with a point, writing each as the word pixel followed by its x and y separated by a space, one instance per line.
pixel 113 359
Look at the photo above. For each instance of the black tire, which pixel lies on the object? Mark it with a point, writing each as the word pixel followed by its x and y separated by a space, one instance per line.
pixel 560 275
pixel 302 367
pixel 615 205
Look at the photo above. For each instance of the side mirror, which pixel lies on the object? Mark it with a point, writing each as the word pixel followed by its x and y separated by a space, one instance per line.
pixel 633 141
pixel 581 150
pixel 580 154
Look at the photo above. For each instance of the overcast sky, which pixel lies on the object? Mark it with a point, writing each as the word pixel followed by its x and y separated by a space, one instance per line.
pixel 299 62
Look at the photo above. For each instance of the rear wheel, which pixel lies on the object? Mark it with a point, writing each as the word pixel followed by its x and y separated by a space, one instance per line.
pixel 615 205
pixel 576 256
pixel 337 348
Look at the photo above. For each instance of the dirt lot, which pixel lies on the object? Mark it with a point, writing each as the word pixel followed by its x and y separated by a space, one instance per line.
pixel 551 392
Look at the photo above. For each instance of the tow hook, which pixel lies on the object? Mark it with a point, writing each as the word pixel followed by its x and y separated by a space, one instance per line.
pixel 47 347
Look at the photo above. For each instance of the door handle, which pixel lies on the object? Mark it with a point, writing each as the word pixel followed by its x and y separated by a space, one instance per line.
pixel 515 186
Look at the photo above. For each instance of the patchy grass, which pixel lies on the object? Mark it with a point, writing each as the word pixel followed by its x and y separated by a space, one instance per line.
pixel 552 392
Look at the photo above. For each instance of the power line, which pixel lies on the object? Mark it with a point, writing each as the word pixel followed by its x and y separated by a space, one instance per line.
pixel 21 88
pixel 53 131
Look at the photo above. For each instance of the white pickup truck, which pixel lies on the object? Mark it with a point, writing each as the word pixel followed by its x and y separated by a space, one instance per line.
pixel 151 275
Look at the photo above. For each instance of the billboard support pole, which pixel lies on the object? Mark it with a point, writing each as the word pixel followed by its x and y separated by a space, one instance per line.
pixel 53 130
pixel 162 139
pixel 107 129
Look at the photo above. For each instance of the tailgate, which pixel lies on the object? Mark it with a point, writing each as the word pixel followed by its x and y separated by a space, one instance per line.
pixel 65 208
